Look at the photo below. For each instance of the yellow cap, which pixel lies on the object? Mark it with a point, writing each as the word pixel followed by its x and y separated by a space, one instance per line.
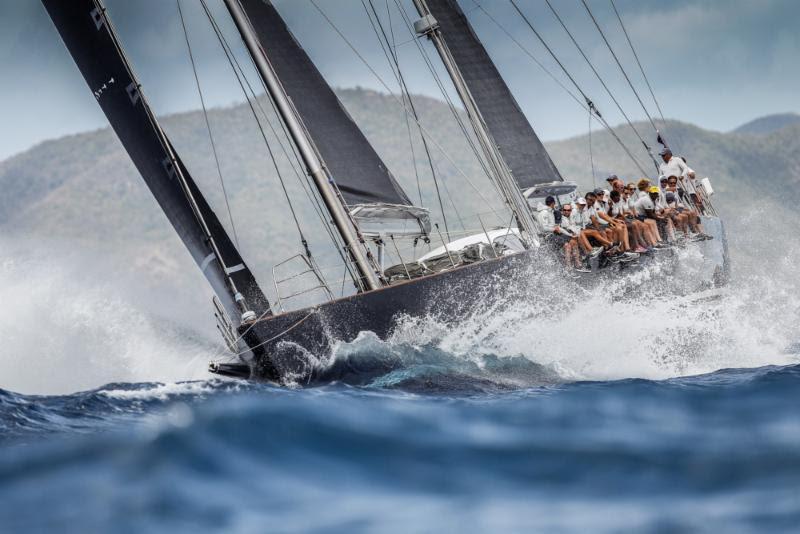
pixel 654 189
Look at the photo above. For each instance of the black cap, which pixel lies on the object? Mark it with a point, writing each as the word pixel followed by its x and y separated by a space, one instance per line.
pixel 611 178
pixel 670 197
pixel 599 192
pixel 550 200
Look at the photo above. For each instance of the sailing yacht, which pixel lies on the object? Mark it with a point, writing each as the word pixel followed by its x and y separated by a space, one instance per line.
pixel 359 195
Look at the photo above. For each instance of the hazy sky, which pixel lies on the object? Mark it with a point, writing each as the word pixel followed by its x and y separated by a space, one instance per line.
pixel 716 63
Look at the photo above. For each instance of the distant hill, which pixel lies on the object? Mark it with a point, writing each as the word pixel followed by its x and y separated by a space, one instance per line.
pixel 84 189
pixel 768 124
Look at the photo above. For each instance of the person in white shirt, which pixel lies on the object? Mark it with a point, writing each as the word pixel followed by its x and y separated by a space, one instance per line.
pixel 672 166
pixel 601 219
pixel 642 231
pixel 555 232
pixel 685 209
pixel 666 213
pixel 572 248
pixel 618 210
pixel 580 219
pixel 676 166
pixel 647 212
pixel 642 186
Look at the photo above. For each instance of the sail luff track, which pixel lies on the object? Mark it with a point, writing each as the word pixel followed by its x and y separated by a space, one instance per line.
pixel 520 147
pixel 90 39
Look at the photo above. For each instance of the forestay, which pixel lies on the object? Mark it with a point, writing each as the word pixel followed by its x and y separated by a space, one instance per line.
pixel 91 41
pixel 358 171
pixel 520 147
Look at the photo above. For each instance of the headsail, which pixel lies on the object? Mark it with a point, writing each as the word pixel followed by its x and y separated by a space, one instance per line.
pixel 519 145
pixel 90 39
pixel 359 173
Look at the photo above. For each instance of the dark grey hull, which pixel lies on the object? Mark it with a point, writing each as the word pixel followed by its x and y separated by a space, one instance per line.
pixel 285 346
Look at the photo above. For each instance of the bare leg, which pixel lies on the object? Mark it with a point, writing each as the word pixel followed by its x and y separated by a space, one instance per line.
pixel 623 237
pixel 655 236
pixel 584 242
pixel 598 236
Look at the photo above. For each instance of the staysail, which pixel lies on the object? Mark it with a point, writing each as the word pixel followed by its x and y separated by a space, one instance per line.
pixel 90 39
pixel 519 145
pixel 359 173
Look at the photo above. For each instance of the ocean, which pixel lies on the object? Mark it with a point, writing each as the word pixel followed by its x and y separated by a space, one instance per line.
pixel 577 412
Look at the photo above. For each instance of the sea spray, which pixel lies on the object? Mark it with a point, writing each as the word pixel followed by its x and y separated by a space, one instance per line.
pixel 65 330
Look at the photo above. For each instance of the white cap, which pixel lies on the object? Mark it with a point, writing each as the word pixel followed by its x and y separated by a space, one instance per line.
pixel 581 200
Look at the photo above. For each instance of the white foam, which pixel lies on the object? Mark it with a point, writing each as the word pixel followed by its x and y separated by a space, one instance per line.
pixel 597 336
pixel 62 330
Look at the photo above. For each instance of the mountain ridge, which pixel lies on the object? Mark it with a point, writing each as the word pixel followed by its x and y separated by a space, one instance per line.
pixel 768 124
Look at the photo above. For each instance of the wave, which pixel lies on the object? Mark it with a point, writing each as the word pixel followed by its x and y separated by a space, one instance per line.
pixel 219 455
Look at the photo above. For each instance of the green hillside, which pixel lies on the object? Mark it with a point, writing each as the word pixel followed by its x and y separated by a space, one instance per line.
pixel 83 188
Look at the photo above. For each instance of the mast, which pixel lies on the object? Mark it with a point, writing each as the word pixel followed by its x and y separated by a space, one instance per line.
pixel 428 26
pixel 520 147
pixel 314 166
pixel 89 36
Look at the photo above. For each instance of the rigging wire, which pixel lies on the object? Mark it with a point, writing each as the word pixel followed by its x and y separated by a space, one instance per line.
pixel 599 78
pixel 208 123
pixel 619 64
pixel 592 108
pixel 425 146
pixel 441 86
pixel 530 55
pixel 233 63
pixel 456 116
pixel 391 55
pixel 335 238
pixel 639 63
pixel 591 154
pixel 401 103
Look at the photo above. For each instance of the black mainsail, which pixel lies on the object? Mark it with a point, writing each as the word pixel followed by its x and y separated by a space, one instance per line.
pixel 359 173
pixel 520 147
pixel 88 35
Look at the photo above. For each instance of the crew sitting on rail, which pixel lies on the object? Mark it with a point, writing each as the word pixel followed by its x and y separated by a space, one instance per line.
pixel 618 205
pixel 552 223
pixel 618 210
pixel 647 212
pixel 683 206
pixel 676 166
pixel 646 235
pixel 580 219
pixel 572 250
pixel 602 220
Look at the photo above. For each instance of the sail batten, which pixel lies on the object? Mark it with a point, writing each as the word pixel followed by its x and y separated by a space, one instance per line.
pixel 90 39
pixel 358 171
pixel 520 147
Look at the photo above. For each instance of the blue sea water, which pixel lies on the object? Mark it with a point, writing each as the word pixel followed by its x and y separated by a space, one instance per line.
pixel 562 412
pixel 428 451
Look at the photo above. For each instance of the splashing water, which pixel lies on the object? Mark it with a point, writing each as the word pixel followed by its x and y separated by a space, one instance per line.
pixel 63 330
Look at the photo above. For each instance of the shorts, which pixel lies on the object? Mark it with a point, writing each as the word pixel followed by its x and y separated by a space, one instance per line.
pixel 641 218
pixel 560 239
pixel 594 242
